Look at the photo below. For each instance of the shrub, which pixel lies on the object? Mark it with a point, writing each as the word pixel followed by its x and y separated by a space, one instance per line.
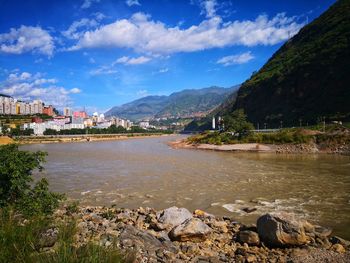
pixel 16 169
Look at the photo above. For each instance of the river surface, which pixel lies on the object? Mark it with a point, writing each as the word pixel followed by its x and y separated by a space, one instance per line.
pixel 147 172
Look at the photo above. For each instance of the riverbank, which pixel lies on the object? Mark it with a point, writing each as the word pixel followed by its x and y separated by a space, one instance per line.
pixel 177 235
pixel 5 140
pixel 45 139
pixel 304 148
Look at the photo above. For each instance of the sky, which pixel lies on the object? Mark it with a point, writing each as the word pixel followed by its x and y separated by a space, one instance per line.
pixel 96 54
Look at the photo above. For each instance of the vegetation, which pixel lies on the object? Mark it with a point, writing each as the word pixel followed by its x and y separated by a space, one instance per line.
pixel 113 129
pixel 334 135
pixel 26 213
pixel 237 123
pixel 21 242
pixel 15 184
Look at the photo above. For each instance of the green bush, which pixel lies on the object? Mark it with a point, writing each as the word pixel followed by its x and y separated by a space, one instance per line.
pixel 16 191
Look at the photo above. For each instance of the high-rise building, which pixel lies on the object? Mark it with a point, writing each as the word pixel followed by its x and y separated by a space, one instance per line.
pixel 67 112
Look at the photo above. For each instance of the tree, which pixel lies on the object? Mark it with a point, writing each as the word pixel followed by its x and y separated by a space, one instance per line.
pixel 237 123
pixel 16 169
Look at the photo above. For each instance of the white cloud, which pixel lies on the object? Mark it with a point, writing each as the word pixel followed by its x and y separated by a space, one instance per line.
pixel 236 59
pixel 154 37
pixel 104 70
pixel 27 39
pixel 209 7
pixel 132 61
pixel 73 31
pixel 75 90
pixel 27 86
pixel 132 2
pixel 142 93
pixel 88 3
pixel 163 70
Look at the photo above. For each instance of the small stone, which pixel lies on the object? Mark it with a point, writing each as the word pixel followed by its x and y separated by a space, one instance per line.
pixel 338 248
pixel 220 225
pixel 249 237
pixel 201 213
pixel 249 209
pixel 339 240
pixel 191 230
pixel 251 258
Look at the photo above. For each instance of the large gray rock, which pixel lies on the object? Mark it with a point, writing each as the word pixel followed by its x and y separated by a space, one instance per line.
pixel 283 229
pixel 172 217
pixel 192 229
pixel 133 237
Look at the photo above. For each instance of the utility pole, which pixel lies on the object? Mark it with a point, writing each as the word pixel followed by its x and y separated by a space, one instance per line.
pixel 324 124
pixel 300 122
pixel 281 124
pixel 258 126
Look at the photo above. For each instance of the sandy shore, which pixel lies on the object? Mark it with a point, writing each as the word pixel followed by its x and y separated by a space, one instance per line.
pixel 5 140
pixel 311 148
pixel 245 147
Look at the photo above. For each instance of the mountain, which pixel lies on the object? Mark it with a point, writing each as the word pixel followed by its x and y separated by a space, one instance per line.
pixel 139 109
pixel 307 79
pixel 191 101
pixel 185 103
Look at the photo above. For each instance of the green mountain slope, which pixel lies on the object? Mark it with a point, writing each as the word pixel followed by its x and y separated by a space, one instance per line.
pixel 308 78
pixel 189 102
pixel 179 104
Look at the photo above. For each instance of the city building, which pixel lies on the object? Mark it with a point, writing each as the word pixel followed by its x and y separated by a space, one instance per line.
pixel 11 106
pixel 48 110
pixel 67 112
pixel 80 114
pixel 144 124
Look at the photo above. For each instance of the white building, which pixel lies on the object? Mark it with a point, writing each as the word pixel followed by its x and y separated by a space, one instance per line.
pixel 40 128
pixel 144 124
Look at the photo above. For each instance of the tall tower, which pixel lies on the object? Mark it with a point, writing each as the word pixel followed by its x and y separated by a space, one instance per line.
pixel 213 123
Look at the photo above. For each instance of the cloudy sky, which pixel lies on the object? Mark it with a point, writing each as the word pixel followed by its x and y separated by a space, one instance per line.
pixel 101 53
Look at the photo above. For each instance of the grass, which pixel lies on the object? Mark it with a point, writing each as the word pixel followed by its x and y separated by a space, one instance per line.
pixel 19 243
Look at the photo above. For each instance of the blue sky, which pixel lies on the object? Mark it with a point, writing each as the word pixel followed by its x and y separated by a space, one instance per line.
pixel 101 53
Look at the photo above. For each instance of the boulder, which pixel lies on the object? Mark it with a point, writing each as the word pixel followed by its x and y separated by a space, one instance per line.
pixel 172 217
pixel 249 237
pixel 281 230
pixel 192 229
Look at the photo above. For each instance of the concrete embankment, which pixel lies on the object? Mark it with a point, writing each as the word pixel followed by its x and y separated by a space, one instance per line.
pixel 177 235
pixel 83 138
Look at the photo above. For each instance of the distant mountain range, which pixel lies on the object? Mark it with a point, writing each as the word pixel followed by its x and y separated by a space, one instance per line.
pixel 306 80
pixel 186 103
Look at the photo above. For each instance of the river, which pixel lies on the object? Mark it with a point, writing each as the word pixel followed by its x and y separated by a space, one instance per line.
pixel 147 172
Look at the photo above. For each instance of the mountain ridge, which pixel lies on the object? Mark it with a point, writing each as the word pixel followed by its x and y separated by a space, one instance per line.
pixel 185 103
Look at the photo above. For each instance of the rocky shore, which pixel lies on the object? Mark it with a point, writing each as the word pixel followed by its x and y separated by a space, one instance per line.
pixel 177 235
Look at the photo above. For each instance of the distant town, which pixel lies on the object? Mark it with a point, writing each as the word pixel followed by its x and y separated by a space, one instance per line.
pixel 35 117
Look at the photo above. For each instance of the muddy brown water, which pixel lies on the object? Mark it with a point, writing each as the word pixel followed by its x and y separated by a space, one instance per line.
pixel 147 172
